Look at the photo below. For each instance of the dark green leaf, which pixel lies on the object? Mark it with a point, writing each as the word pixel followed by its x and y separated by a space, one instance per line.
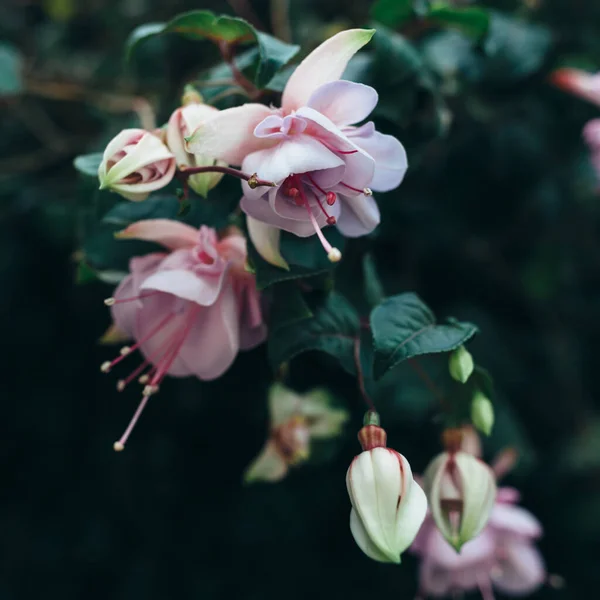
pixel 404 327
pixel 333 329
pixel 471 20
pixel 393 12
pixel 88 163
pixel 11 64
pixel 288 306
pixel 305 256
pixel 205 25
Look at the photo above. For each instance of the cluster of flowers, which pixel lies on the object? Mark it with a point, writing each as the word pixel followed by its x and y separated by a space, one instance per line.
pixel 191 308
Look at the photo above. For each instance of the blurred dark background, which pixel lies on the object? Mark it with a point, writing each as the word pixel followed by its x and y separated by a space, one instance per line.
pixel 497 222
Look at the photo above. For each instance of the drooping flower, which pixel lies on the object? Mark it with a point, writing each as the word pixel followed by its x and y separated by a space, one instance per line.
pixel 388 506
pixel 296 420
pixel 189 311
pixel 461 490
pixel 182 123
pixel 135 163
pixel 324 165
pixel 502 556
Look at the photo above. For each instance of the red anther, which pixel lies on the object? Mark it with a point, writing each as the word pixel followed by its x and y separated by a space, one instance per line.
pixel 331 198
pixel 331 221
pixel 292 192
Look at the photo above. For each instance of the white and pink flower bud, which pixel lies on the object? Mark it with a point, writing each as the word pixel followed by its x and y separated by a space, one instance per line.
pixel 461 490
pixel 183 122
pixel 135 163
pixel 388 506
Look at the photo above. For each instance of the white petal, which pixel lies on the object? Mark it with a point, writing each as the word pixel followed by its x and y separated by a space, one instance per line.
pixel 266 241
pixel 324 64
pixel 229 135
pixel 364 542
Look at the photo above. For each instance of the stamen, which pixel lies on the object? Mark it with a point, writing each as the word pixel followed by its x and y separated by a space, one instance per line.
pixel 125 351
pixel 367 192
pixel 123 383
pixel 331 198
pixel 113 301
pixel 356 189
pixel 144 379
pixel 333 254
pixel 120 445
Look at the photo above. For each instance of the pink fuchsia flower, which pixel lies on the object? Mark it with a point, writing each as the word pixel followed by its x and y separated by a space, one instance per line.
pixel 324 165
pixel 182 123
pixel 296 420
pixel 580 83
pixel 189 311
pixel 502 556
pixel 136 163
pixel 388 505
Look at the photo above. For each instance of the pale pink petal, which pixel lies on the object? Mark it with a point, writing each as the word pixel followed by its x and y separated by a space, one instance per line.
pixel 359 215
pixel 229 135
pixel 344 102
pixel 298 154
pixel 124 313
pixel 521 571
pixel 389 154
pixel 507 518
pixel 214 341
pixel 473 553
pixel 265 239
pixel 507 495
pixel 201 289
pixel 160 325
pixel 324 64
pixel 168 233
pixel 360 166
pixel 253 330
pixel 262 211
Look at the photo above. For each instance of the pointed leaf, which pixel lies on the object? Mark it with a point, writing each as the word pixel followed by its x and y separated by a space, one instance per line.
pixel 205 25
pixel 404 327
pixel 88 163
pixel 333 329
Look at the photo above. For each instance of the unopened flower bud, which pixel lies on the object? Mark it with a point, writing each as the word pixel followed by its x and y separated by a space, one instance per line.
pixel 482 412
pixel 461 490
pixel 461 364
pixel 136 163
pixel 388 506
pixel 182 124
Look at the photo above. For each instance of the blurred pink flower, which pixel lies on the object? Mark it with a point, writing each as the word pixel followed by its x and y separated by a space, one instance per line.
pixel 324 166
pixel 190 311
pixel 580 83
pixel 503 556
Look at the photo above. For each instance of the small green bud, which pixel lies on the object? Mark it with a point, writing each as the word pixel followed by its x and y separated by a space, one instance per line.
pixel 371 418
pixel 460 364
pixel 482 412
